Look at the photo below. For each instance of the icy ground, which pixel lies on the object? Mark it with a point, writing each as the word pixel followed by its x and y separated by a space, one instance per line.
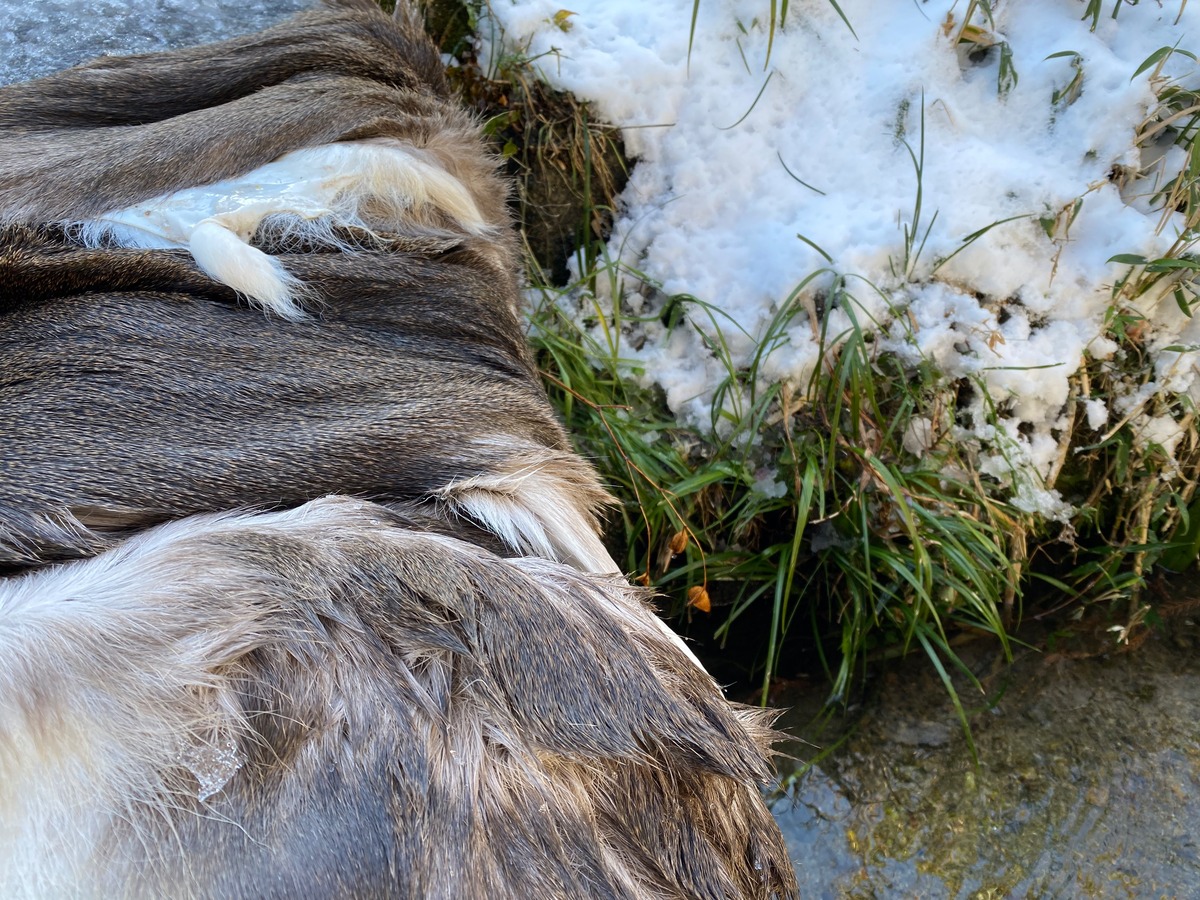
pixel 739 156
pixel 38 37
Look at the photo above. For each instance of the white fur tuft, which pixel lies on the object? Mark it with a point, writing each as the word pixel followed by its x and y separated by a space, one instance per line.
pixel 226 258
pixel 379 186
pixel 532 516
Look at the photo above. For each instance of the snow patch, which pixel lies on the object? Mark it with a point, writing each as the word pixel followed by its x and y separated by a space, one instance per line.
pixel 739 155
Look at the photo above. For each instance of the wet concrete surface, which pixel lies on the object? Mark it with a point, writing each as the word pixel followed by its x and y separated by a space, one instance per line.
pixel 1088 782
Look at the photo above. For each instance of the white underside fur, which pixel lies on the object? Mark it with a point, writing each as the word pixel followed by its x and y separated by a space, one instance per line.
pixel 380 185
pixel 533 516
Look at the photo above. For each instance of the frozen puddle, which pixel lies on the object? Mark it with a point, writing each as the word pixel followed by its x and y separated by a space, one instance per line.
pixel 1088 785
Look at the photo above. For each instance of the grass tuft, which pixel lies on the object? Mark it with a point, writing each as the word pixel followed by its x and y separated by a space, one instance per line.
pixel 844 513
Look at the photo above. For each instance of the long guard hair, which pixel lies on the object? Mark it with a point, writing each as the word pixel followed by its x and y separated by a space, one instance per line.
pixel 330 702
pixel 217 680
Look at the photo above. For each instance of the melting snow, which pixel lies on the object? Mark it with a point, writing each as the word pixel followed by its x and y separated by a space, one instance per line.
pixel 716 201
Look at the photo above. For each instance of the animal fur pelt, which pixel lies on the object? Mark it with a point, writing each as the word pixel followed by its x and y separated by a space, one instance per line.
pixel 437 687
pixel 331 702
pixel 336 121
pixel 415 384
pixel 407 376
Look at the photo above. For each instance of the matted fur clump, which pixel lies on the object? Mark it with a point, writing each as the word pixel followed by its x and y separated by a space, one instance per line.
pixel 249 277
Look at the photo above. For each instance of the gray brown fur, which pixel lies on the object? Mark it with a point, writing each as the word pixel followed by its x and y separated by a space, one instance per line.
pixel 417 368
pixel 110 133
pixel 408 713
pixel 413 716
pixel 401 387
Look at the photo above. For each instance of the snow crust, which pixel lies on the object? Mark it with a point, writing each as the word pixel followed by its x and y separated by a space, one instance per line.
pixel 715 203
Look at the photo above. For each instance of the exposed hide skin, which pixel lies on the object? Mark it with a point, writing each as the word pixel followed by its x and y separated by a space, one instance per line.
pixel 409 716
pixel 318 608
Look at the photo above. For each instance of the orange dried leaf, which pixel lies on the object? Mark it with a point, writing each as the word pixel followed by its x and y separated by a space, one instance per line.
pixel 698 597
pixel 678 543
